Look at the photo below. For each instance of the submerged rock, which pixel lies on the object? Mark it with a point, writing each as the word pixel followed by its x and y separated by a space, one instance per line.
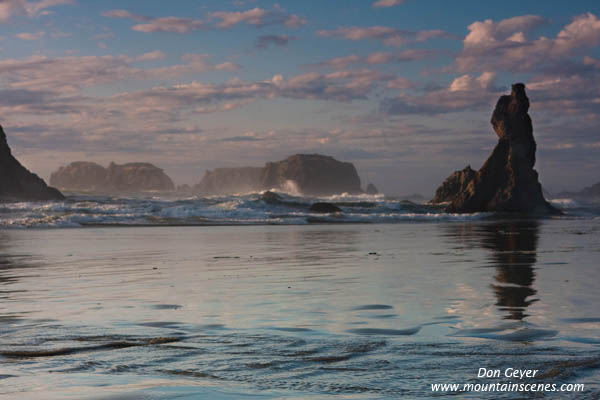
pixel 454 185
pixel 271 197
pixel 309 174
pixel 324 208
pixel 17 183
pixel 126 178
pixel 507 181
pixel 371 189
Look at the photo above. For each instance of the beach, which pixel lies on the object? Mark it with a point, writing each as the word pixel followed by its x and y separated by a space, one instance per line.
pixel 297 311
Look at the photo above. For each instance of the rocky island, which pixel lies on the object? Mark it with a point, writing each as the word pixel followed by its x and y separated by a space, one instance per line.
pixel 507 181
pixel 590 193
pixel 87 176
pixel 309 174
pixel 17 183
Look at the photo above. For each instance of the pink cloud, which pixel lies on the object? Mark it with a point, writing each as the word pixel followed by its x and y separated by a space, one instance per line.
pixel 119 13
pixel 30 35
pixel 387 3
pixel 257 17
pixel 464 93
pixel 162 24
pixel 389 36
pixel 504 45
pixel 377 58
pixel 169 24
pixel 70 74
pixel 151 56
pixel 29 9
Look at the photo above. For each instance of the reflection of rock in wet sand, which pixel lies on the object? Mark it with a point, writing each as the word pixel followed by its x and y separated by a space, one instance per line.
pixel 513 246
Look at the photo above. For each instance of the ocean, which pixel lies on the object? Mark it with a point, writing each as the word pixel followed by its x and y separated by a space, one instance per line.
pixel 241 298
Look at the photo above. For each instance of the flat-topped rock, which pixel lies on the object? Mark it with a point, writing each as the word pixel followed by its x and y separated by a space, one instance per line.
pixel 126 178
pixel 312 174
pixel 308 174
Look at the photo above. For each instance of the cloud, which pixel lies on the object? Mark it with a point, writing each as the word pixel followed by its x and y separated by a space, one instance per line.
pixel 469 83
pixel 257 17
pixel 505 45
pixel 400 83
pixel 169 24
pixel 464 93
pixel 118 13
pixel 162 24
pixel 339 62
pixel 342 86
pixel 560 76
pixel 377 58
pixel 265 41
pixel 151 56
pixel 70 74
pixel 387 3
pixel 29 9
pixel 30 35
pixel 199 62
pixel 389 36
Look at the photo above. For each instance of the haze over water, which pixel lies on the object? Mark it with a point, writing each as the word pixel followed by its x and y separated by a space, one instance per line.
pixel 316 311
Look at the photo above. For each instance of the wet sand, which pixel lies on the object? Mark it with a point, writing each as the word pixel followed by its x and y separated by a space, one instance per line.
pixel 363 311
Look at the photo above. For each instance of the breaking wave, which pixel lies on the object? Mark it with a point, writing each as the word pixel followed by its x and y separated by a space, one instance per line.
pixel 241 209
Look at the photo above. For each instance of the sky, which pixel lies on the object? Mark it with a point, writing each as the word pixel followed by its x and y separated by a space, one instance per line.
pixel 404 89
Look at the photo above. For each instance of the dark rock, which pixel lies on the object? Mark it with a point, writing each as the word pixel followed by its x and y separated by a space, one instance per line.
pixel 138 177
pixel 224 181
pixel 310 174
pixel 507 181
pixel 371 189
pixel 271 197
pixel 313 175
pixel 454 185
pixel 126 178
pixel 17 183
pixel 325 208
pixel 412 198
pixel 80 175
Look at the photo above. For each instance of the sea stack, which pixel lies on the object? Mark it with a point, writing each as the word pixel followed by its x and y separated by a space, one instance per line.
pixel 309 174
pixel 454 185
pixel 507 181
pixel 17 183
pixel 126 179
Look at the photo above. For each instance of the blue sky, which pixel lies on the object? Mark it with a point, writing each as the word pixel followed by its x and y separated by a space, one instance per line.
pixel 404 89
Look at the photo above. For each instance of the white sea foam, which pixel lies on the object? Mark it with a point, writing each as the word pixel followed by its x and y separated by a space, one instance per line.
pixel 243 209
pixel 565 203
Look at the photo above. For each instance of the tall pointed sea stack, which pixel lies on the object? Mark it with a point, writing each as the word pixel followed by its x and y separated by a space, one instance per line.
pixel 507 181
pixel 17 183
